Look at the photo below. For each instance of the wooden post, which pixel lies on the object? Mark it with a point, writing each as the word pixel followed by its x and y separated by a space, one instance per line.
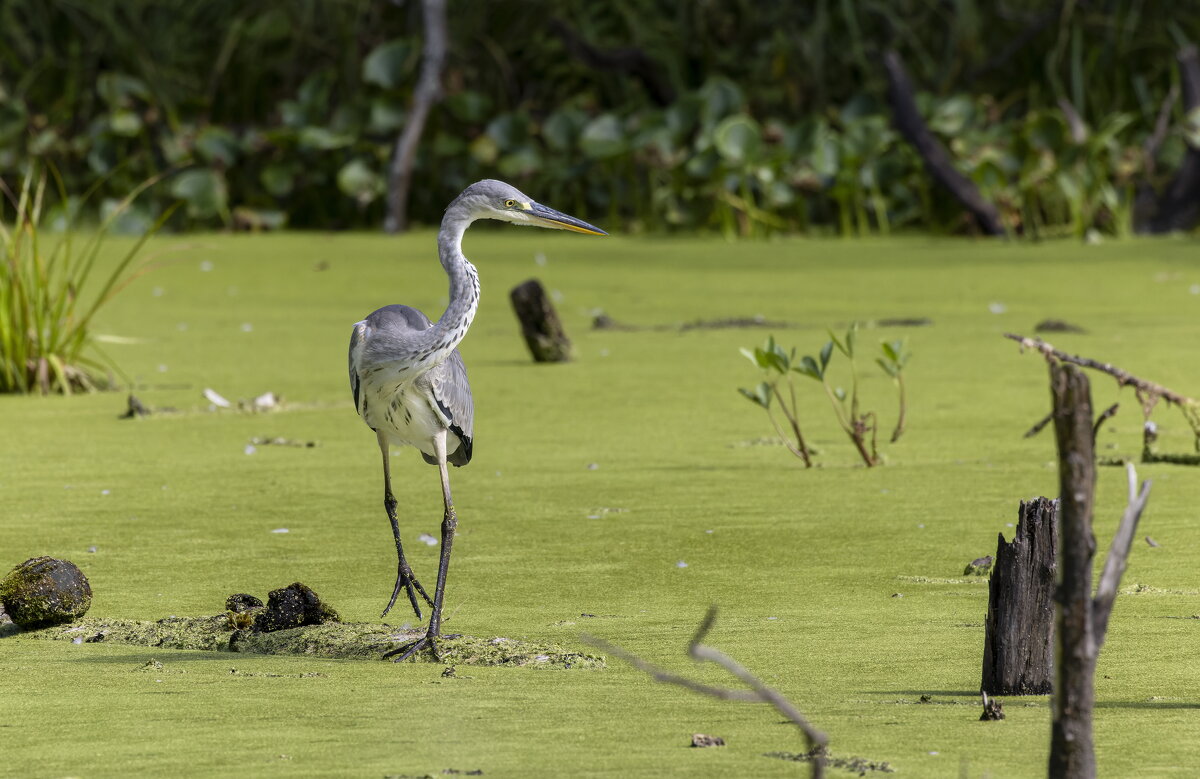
pixel 1018 643
pixel 1071 750
pixel 540 324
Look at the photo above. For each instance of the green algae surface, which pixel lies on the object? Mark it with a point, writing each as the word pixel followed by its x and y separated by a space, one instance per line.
pixel 616 495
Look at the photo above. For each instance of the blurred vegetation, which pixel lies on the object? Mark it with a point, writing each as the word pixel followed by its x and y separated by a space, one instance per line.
pixel 761 117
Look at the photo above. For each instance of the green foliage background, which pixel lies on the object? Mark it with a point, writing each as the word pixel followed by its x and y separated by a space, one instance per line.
pixel 287 112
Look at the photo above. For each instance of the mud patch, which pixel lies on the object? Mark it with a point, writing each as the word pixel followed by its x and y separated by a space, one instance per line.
pixel 337 640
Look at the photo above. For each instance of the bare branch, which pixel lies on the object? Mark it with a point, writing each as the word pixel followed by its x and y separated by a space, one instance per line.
pixel 1105 415
pixel 427 93
pixel 1118 556
pixel 758 693
pixel 1124 378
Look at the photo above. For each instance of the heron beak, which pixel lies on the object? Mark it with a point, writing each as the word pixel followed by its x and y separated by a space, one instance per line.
pixel 543 216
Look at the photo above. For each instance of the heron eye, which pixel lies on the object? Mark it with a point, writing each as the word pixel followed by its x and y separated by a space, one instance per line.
pixel 509 203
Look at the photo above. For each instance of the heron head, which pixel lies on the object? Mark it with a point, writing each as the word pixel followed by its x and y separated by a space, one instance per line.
pixel 491 199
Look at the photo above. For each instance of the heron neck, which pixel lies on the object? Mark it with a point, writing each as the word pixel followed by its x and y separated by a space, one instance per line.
pixel 451 328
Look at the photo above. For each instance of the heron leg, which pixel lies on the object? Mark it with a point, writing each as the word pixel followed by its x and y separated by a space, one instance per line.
pixel 404 575
pixel 449 525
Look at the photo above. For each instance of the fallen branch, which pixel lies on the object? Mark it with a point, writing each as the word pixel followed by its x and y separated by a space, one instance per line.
pixel 907 118
pixel 1148 392
pixel 758 692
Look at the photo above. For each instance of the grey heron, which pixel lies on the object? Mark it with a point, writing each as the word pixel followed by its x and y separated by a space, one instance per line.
pixel 410 384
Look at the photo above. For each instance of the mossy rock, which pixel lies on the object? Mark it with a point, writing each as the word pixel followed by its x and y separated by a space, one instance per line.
pixel 45 591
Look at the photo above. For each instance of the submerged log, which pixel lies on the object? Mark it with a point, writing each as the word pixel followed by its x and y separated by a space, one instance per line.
pixel 1018 648
pixel 540 324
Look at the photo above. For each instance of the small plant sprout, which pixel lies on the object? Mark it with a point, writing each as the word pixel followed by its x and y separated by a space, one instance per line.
pixel 895 356
pixel 776 364
pixel 860 426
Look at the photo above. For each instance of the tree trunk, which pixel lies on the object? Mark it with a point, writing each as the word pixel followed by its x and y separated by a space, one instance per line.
pixel 1018 644
pixel 937 160
pixel 540 324
pixel 427 93
pixel 1071 751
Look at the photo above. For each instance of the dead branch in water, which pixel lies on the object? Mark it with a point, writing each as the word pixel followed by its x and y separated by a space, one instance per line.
pixel 758 692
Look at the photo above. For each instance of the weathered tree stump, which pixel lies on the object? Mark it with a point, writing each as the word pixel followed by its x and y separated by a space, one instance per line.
pixel 1018 646
pixel 540 324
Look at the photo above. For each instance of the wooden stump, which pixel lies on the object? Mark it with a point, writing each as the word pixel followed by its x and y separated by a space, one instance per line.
pixel 1018 648
pixel 543 331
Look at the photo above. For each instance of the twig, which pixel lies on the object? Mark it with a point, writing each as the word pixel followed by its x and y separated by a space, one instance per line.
pixel 758 693
pixel 1105 415
pixel 1038 426
pixel 1124 378
pixel 1118 555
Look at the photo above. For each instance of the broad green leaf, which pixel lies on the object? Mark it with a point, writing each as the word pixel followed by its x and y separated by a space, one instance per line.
pixel 386 116
pixel 738 139
pixel 752 396
pixel 562 128
pixel 603 137
pixel 125 123
pixel 384 66
pixel 826 353
pixel 469 106
pixel 203 190
pixel 358 180
pixel 323 139
pixel 809 367
pixel 278 179
pixel 216 144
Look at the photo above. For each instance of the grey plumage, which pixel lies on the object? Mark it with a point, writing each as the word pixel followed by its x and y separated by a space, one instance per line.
pixel 409 382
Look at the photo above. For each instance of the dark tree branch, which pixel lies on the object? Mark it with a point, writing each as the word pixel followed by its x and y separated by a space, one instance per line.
pixel 908 120
pixel 629 59
pixel 427 93
pixel 1071 752
pixel 758 692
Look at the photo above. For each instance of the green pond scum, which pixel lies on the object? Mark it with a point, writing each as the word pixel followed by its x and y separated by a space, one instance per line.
pixel 617 495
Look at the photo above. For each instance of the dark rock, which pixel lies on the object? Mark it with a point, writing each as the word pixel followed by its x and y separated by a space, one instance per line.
pixel 45 591
pixel 242 602
pixel 292 607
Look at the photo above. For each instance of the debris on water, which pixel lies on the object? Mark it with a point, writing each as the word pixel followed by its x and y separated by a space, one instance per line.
pixel 215 398
pixel 897 595
pixel 1194 289
pixel 135 408
pixel 997 308
pixel 980 566
pixel 593 466
pixel 772 619
pixel 45 591
pixel 992 709
pixel 280 530
pixel 206 265
pixel 249 449
pixel 268 401
pixel 427 539
pixel 92 549
pixel 681 564
pixel 539 259
pixel 247 327
pixel 280 441
pixel 105 492
pixel 708 531
pixel 157 292
pixel 1152 542
pixel 1057 326
pixel 162 368
pixel 702 740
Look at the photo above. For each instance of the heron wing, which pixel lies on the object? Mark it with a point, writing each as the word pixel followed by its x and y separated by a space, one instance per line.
pixel 358 339
pixel 384 332
pixel 452 393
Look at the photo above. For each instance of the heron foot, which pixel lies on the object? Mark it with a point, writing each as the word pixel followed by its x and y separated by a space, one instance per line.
pixel 405 651
pixel 406 581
